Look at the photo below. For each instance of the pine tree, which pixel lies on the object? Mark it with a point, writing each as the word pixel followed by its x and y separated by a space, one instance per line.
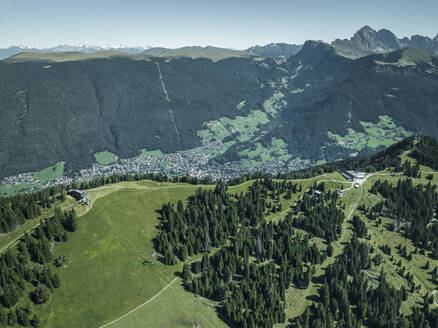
pixel 41 294
pixel 36 322
pixel 330 250
pixel 12 318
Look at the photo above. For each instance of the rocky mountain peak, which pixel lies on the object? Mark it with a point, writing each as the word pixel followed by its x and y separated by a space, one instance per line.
pixel 369 39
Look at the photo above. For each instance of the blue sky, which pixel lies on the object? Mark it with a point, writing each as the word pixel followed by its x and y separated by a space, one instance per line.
pixel 236 24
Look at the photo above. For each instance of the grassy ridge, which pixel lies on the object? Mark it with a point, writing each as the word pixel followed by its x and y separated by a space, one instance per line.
pixel 67 56
pixel 108 271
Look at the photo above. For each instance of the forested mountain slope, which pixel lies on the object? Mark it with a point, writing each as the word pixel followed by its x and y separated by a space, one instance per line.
pixel 236 114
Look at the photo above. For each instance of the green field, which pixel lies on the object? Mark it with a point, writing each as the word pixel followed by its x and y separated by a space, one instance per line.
pixel 44 176
pixel 259 155
pixel 149 153
pixel 274 104
pixel 186 309
pixel 243 126
pixel 383 133
pixel 50 173
pixel 105 157
pixel 108 269
pixel 411 57
pixel 7 189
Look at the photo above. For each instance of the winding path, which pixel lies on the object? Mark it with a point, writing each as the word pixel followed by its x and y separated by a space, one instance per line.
pixel 141 305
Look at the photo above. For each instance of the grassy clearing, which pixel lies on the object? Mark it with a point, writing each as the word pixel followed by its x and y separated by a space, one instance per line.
pixel 105 157
pixel 7 189
pixel 106 256
pixel 50 173
pixel 144 153
pixel 240 105
pixel 411 57
pixel 274 104
pixel 259 155
pixel 244 126
pixel 383 133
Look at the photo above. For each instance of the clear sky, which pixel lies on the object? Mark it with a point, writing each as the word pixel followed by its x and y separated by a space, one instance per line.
pixel 224 23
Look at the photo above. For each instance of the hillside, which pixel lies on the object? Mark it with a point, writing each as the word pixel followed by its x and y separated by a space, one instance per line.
pixel 258 223
pixel 221 116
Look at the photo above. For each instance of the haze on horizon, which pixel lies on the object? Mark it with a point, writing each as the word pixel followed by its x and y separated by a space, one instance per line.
pixel 225 23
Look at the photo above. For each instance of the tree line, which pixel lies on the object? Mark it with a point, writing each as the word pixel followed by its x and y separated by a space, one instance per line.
pixel 426 152
pixel 30 263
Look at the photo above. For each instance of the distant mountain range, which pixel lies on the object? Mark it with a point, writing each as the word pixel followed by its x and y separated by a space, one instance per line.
pixel 14 50
pixel 364 42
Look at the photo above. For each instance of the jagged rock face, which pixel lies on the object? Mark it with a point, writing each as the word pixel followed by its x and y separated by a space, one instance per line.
pixel 376 41
pixel 367 41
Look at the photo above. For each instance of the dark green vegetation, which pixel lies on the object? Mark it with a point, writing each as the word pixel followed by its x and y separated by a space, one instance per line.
pixel 249 264
pixel 15 210
pixel 255 252
pixel 114 104
pixel 27 273
pixel 317 105
pixel 426 152
pixel 266 257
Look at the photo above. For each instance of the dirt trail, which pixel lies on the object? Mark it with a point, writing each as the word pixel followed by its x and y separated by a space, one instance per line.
pixel 141 305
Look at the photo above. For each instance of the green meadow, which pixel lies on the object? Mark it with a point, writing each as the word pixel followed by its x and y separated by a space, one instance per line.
pixel 105 158
pixel 109 268
pixel 50 173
